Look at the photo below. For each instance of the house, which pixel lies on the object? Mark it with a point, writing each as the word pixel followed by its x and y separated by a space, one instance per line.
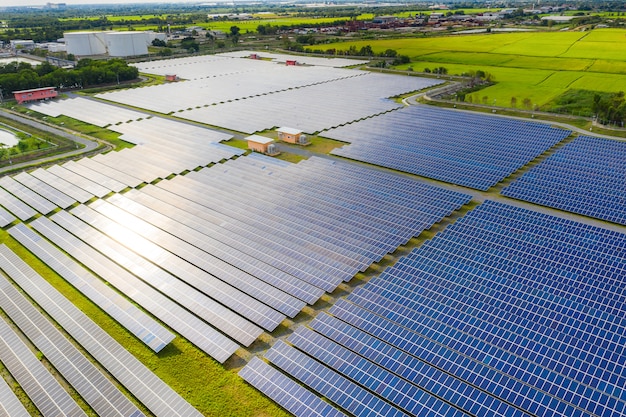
pixel 290 135
pixel 34 94
pixel 262 144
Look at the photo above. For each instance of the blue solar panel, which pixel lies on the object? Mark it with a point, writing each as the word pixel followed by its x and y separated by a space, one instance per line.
pixel 473 150
pixel 586 176
pixel 285 391
pixel 329 383
pixel 392 388
pixel 505 312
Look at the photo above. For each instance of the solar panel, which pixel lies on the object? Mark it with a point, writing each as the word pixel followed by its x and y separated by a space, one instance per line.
pixel 473 150
pixel 95 176
pixel 40 187
pixel 293 397
pixel 10 405
pixel 15 206
pixel 157 396
pixel 185 295
pixel 597 190
pixel 62 185
pixel 29 197
pixel 134 320
pixel 97 390
pixel 40 386
pixel 189 326
pixel 348 395
pixel 6 218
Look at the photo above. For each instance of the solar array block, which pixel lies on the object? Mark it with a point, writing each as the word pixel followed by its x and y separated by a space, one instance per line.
pixel 238 279
pixel 162 213
pixel 97 390
pixel 62 185
pixel 38 383
pixel 16 206
pixel 10 405
pixel 88 110
pixel 290 395
pixel 586 176
pixel 157 396
pixel 6 218
pixel 506 312
pixel 308 108
pixel 134 320
pixel 112 172
pixel 57 197
pixel 84 183
pixel 184 294
pixel 218 290
pixel 256 78
pixel 172 314
pixel 472 150
pixel 338 389
pixel 28 196
pixel 95 176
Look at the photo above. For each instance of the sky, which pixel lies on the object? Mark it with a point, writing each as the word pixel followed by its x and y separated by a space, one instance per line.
pixel 6 3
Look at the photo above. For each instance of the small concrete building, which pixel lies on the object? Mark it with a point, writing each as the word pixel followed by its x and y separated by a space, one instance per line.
pixel 262 144
pixel 35 94
pixel 290 135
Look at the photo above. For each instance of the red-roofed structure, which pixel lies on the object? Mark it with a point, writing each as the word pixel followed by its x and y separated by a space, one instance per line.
pixel 35 94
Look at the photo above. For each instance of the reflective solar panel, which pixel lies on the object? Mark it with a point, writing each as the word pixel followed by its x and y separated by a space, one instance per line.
pixel 40 386
pixel 10 405
pixel 157 396
pixel 134 320
pixel 97 390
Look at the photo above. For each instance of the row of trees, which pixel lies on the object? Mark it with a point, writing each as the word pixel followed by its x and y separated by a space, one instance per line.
pixel 610 108
pixel 23 76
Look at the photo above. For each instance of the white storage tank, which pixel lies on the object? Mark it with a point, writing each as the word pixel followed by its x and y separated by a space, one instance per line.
pixel 124 44
pixel 85 43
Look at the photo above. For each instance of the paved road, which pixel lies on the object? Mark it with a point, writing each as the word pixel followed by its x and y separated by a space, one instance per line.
pixel 89 145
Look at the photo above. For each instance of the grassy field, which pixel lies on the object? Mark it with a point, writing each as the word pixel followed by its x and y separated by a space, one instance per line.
pixel 535 65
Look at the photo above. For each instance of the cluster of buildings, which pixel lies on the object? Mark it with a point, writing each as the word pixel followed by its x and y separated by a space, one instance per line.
pixel 81 44
pixel 267 146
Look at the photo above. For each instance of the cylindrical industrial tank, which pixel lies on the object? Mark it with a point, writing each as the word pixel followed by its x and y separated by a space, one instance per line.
pixel 85 43
pixel 124 44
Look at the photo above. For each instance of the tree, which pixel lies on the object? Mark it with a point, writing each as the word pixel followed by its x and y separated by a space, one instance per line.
pixel 22 145
pixel 513 101
pixel 527 103
pixel 190 44
pixel 234 31
pixel 159 42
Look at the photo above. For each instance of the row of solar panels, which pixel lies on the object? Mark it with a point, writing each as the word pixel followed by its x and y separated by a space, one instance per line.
pixel 94 386
pixel 255 78
pixel 586 176
pixel 475 151
pixel 506 312
pixel 198 241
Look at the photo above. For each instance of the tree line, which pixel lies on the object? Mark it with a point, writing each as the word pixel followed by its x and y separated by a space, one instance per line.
pixel 23 76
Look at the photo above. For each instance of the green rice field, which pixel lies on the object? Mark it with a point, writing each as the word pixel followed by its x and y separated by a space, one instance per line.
pixel 535 65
